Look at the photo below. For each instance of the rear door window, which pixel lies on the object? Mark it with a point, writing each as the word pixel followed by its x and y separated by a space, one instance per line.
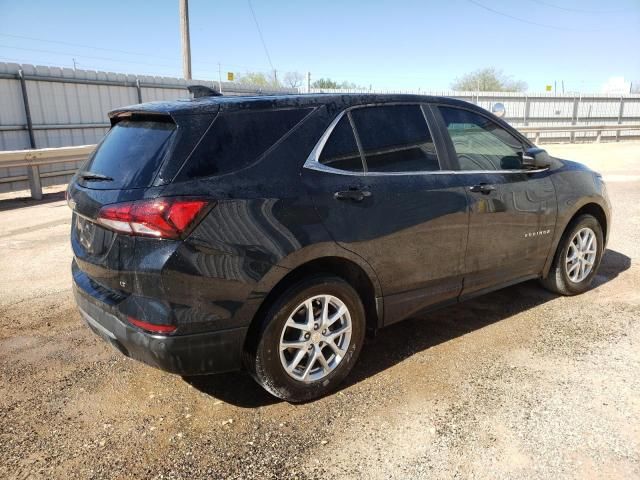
pixel 130 154
pixel 237 139
pixel 341 149
pixel 395 138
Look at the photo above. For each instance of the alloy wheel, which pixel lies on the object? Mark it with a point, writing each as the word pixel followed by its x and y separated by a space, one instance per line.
pixel 581 255
pixel 315 338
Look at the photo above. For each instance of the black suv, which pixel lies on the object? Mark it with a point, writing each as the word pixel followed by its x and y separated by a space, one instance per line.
pixel 271 233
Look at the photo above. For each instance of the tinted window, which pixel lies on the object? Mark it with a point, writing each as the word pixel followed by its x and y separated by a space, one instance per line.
pixel 236 140
pixel 131 154
pixel 480 143
pixel 395 139
pixel 341 150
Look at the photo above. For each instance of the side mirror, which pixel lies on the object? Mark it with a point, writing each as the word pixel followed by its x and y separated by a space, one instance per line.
pixel 535 158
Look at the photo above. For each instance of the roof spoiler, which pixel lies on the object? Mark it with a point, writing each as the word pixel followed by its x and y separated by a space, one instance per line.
pixel 116 116
pixel 201 91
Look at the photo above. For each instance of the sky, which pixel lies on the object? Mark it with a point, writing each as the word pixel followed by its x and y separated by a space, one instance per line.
pixel 404 44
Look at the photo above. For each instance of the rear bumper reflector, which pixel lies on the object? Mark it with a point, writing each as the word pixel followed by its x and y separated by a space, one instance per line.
pixel 151 327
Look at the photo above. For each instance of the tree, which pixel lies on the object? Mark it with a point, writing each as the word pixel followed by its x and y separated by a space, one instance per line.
pixel 258 79
pixel 290 79
pixel 325 83
pixel 293 79
pixel 488 80
pixel 328 84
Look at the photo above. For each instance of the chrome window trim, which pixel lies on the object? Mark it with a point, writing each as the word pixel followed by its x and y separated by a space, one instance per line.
pixel 323 168
pixel 313 160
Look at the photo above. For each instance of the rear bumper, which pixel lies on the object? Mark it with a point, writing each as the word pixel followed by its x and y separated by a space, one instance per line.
pixel 194 354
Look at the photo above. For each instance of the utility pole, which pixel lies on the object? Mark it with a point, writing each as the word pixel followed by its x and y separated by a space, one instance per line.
pixel 186 43
pixel 308 82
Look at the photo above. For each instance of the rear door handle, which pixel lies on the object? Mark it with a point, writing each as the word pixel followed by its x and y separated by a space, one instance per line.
pixel 356 194
pixel 482 188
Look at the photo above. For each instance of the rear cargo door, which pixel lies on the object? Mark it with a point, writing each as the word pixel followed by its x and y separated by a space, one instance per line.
pixel 135 160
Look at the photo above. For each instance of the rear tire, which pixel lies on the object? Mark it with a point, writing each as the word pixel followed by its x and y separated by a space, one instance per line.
pixel 295 361
pixel 577 257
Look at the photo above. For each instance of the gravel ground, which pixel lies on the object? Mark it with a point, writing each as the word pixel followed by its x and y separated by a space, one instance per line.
pixel 516 384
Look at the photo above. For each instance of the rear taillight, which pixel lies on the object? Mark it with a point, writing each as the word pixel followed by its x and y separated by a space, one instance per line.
pixel 160 217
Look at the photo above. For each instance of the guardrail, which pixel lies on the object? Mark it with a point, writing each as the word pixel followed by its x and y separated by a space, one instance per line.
pixel 579 128
pixel 33 159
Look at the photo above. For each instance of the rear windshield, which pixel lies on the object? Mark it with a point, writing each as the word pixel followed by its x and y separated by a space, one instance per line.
pixel 130 154
pixel 236 140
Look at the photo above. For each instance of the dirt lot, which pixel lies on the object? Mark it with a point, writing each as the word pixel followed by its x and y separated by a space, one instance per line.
pixel 516 384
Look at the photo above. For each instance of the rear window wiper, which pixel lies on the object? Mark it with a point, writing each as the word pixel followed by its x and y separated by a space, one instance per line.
pixel 95 177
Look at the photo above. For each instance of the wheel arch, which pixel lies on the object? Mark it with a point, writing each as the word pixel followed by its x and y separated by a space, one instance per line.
pixel 596 211
pixel 347 269
pixel 590 208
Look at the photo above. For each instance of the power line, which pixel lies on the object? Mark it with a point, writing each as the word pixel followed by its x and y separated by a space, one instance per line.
pixel 214 74
pixel 107 59
pixel 173 71
pixel 126 52
pixel 246 67
pixel 211 75
pixel 524 20
pixel 579 10
pixel 85 66
pixel 116 51
pixel 266 50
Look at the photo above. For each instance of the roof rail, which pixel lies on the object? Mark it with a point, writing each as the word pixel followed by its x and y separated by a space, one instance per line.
pixel 201 91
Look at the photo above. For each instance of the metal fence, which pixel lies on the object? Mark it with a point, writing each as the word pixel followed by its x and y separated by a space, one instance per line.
pixel 550 110
pixel 43 107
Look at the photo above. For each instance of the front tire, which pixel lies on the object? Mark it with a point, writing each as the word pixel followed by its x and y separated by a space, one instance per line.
pixel 310 340
pixel 577 257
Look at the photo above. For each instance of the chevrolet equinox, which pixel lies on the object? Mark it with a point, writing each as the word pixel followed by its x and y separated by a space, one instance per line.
pixel 271 233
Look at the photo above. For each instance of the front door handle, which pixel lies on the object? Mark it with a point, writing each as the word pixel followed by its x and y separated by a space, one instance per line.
pixel 355 194
pixel 483 188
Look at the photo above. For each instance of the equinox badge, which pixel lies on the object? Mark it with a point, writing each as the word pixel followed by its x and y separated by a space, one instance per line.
pixel 535 234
